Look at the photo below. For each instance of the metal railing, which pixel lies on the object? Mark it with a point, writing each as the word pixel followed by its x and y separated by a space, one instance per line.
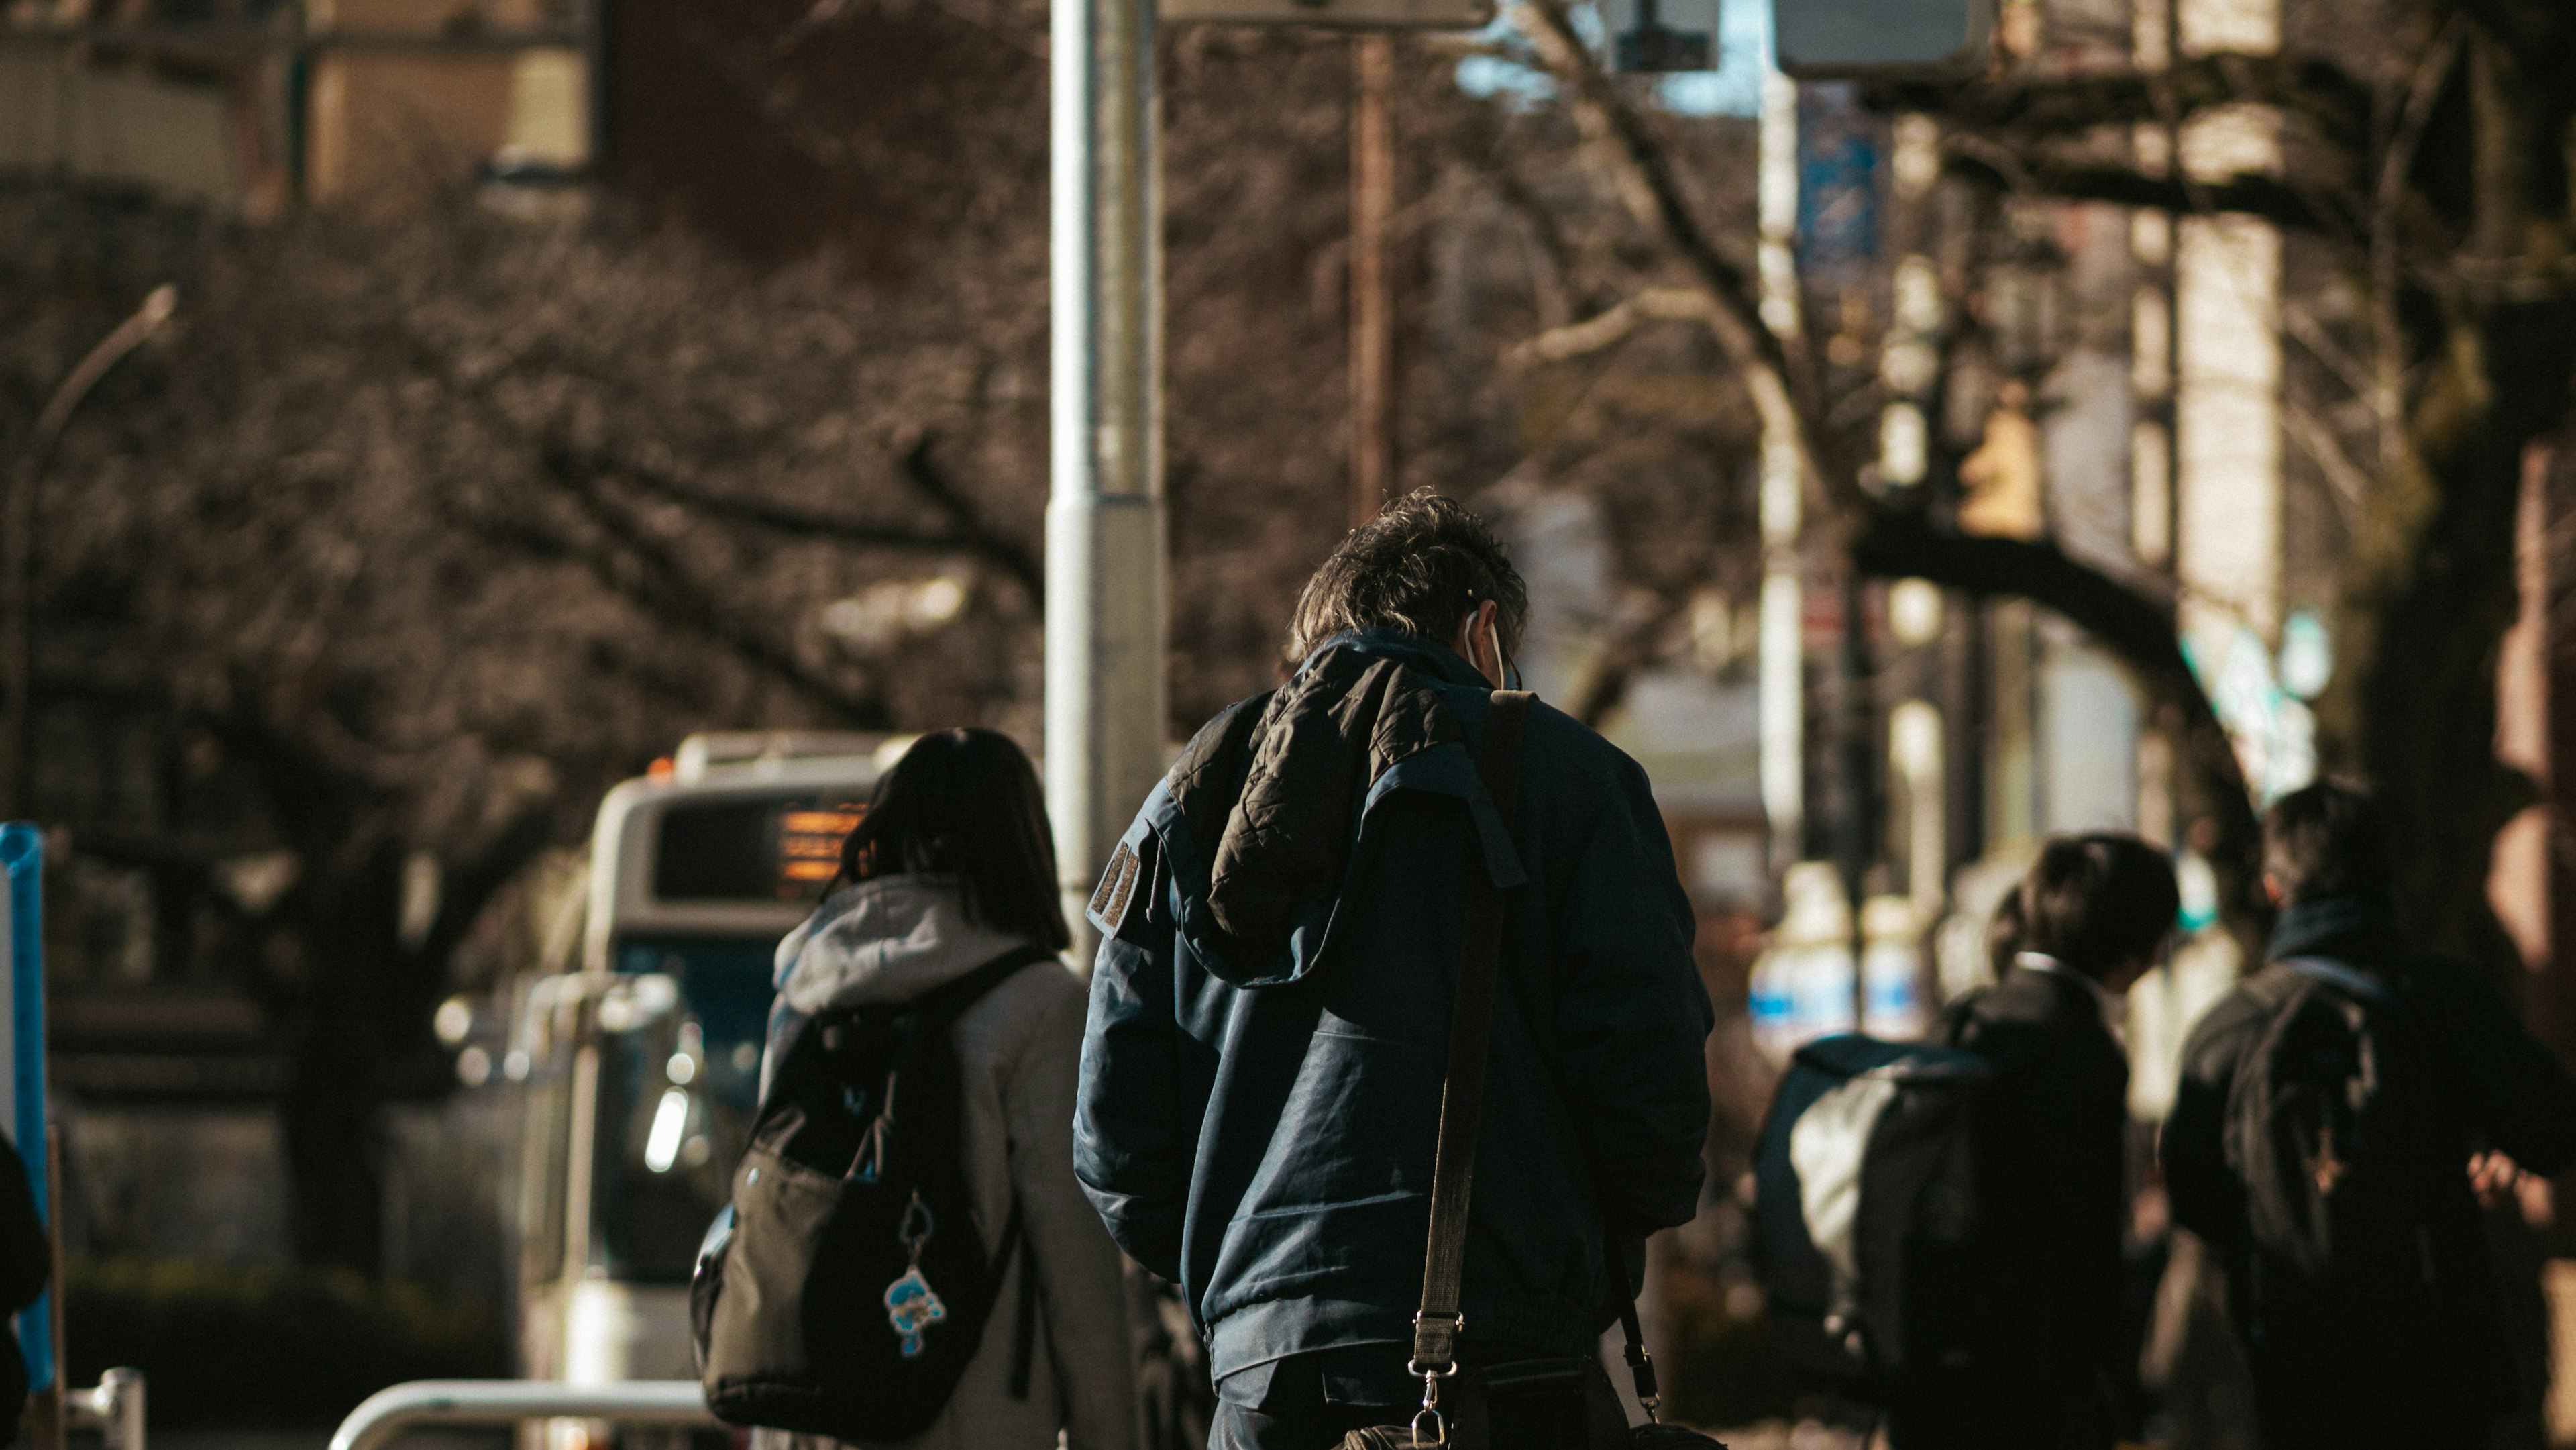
pixel 388 1412
pixel 114 1408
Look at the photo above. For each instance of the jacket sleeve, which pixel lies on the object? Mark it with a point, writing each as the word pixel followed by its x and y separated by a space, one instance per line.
pixel 2509 1087
pixel 1085 1313
pixel 1633 1018
pixel 2203 1190
pixel 2092 1182
pixel 1132 1148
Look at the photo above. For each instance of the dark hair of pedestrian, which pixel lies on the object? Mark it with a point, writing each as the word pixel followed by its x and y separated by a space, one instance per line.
pixel 2095 902
pixel 2325 840
pixel 966 804
pixel 2003 933
pixel 1421 566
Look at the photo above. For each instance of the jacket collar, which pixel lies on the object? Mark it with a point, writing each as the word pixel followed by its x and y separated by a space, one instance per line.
pixel 2348 927
pixel 2114 1010
pixel 1441 663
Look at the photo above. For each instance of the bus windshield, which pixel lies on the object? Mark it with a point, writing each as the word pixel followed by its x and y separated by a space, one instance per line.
pixel 679 1083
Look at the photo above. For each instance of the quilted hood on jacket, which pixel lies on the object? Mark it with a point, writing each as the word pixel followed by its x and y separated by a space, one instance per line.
pixel 1280 789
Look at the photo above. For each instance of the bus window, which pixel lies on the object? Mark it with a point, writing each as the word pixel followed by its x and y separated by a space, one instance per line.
pixel 677 1094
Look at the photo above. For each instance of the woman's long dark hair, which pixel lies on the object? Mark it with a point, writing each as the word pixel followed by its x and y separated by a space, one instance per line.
pixel 966 804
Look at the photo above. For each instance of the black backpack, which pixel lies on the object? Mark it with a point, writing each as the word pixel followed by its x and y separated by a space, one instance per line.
pixel 2333 1128
pixel 1874 1226
pixel 852 1287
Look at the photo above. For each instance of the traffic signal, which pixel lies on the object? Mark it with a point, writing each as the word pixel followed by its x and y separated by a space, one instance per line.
pixel 1650 36
pixel 1883 39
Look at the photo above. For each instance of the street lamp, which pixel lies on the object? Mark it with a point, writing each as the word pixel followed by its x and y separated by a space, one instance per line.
pixel 17 527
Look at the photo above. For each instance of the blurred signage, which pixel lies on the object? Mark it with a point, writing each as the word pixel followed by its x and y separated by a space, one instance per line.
pixel 779 848
pixel 1654 36
pixel 1838 151
pixel 809 845
pixel 1883 39
pixel 1332 14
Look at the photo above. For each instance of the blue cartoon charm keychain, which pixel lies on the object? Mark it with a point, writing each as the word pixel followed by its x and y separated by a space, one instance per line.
pixel 911 1304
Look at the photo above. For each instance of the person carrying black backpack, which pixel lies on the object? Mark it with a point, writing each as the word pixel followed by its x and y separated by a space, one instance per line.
pixel 908 1259
pixel 2095 912
pixel 2321 1143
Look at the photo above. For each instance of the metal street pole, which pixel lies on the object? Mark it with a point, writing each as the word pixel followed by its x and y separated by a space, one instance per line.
pixel 1372 300
pixel 1105 626
pixel 18 527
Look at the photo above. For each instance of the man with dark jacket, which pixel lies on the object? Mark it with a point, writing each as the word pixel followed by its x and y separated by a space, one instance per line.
pixel 2093 915
pixel 1270 1009
pixel 2386 1330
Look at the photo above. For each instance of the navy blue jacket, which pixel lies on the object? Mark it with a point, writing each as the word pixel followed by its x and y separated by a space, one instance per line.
pixel 1256 1114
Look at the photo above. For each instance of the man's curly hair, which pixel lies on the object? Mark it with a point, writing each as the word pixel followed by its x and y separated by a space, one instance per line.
pixel 1421 566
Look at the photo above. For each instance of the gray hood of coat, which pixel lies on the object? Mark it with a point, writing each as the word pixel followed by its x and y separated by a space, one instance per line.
pixel 889 939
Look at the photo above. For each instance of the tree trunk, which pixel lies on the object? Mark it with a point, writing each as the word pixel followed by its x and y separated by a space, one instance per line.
pixel 2422 713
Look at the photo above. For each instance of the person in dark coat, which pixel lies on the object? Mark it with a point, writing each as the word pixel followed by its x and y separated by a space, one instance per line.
pixel 2093 915
pixel 26 1262
pixel 2419 1360
pixel 1261 1079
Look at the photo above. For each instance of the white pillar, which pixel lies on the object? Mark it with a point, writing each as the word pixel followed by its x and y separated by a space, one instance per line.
pixel 1781 683
pixel 2227 376
pixel 1105 626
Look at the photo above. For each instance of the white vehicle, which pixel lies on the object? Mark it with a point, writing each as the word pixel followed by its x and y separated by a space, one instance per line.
pixel 641 1054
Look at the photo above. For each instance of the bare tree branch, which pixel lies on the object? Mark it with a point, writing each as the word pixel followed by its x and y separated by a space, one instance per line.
pixel 1637 642
pixel 2274 201
pixel 2027 106
pixel 1611 327
pixel 968 523
pixel 2349 485
pixel 967 533
pixel 645 572
pixel 1780 373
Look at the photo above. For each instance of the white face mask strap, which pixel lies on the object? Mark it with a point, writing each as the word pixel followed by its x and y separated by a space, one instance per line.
pixel 1505 674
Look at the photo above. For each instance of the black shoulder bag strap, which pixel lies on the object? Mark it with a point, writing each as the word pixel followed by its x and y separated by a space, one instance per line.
pixel 1462 1084
pixel 1462 1096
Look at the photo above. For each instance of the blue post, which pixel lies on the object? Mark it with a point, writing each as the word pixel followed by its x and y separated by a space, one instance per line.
pixel 22 854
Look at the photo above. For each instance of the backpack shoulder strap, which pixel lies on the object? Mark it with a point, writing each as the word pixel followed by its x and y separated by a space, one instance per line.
pixel 2344 977
pixel 951 999
pixel 1471 1029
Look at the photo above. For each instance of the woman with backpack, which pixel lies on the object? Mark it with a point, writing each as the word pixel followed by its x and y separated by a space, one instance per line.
pixel 944 919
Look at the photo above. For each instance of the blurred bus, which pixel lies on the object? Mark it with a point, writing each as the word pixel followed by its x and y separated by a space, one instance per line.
pixel 640 1050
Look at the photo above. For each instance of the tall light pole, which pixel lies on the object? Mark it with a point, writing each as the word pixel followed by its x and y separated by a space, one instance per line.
pixel 1105 627
pixel 18 525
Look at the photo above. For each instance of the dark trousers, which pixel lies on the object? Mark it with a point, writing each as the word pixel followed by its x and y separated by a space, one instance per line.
pixel 1312 1426
pixel 1294 1412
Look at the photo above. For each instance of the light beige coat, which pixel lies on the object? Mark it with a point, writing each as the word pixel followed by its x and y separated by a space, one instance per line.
pixel 891 940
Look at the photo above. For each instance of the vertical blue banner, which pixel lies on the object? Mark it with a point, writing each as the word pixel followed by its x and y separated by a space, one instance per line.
pixel 22 854
pixel 1838 147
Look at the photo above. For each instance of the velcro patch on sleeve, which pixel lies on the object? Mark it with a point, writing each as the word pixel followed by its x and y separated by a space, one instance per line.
pixel 1116 893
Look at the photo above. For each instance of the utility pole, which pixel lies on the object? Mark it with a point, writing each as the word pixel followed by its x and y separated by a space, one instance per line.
pixel 1105 626
pixel 1372 300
